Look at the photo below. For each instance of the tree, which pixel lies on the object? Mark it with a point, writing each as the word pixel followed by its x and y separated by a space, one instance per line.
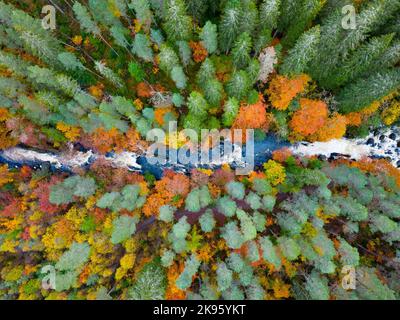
pixel 360 94
pixel 143 12
pixel 241 51
pixel 239 85
pixel 209 37
pixel 108 74
pixel 311 116
pixel 179 77
pixel 150 284
pixel 303 13
pixel 231 108
pixel 360 61
pixel 178 24
pixel 197 105
pixel 168 58
pixel 283 90
pixel 85 19
pixel 142 47
pixel 229 26
pixel 304 51
pixel 269 13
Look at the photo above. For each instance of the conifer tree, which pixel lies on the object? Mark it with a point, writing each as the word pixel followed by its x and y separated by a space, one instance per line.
pixel 143 12
pixel 108 74
pixel 197 105
pixel 178 24
pixel 269 14
pixel 230 24
pixel 305 11
pixel 360 94
pixel 239 85
pixel 85 19
pixel 142 47
pixel 241 51
pixel 209 37
pixel 360 60
pixel 302 53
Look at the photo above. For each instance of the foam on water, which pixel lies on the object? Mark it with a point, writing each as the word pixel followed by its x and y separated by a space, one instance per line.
pixel 382 143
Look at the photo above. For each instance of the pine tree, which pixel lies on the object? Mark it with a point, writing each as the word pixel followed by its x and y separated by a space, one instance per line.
pixel 239 85
pixel 178 24
pixel 104 13
pixel 360 61
pixel 108 74
pixel 249 16
pixel 269 14
pixel 85 19
pixel 35 39
pixel 119 35
pixel 241 51
pixel 168 58
pixel 143 12
pixel 213 91
pixel 70 62
pixel 179 77
pixel 197 8
pixel 185 52
pixel 18 66
pixel 305 12
pixel 197 105
pixel 229 27
pixel 337 44
pixel 359 95
pixel 209 37
pixel 206 72
pixel 142 47
pixel 302 53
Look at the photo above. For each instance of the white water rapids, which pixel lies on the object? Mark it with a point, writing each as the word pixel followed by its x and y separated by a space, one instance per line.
pixel 384 143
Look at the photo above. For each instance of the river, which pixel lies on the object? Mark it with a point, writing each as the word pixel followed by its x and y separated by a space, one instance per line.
pixel 383 143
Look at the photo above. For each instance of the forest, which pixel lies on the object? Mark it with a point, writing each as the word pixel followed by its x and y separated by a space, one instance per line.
pixel 101 74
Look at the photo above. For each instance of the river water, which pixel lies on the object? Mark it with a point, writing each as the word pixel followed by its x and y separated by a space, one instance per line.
pixel 383 143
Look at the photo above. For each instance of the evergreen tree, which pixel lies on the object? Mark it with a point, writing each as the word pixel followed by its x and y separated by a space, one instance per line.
pixel 230 24
pixel 185 52
pixel 302 53
pixel 179 77
pixel 241 51
pixel 213 91
pixel 143 12
pixel 85 19
pixel 142 47
pixel 178 24
pixel 209 37
pixel 360 61
pixel 168 58
pixel 305 11
pixel 70 62
pixel 269 14
pixel 360 94
pixel 119 35
pixel 197 105
pixel 107 73
pixel 239 85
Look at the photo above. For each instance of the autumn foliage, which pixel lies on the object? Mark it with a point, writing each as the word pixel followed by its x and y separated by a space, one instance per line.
pixel 253 116
pixel 283 90
pixel 309 118
pixel 199 52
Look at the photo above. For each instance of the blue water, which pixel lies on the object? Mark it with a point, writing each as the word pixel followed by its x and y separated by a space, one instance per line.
pixel 262 150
